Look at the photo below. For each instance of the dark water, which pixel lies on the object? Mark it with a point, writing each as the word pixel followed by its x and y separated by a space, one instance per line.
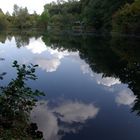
pixel 92 84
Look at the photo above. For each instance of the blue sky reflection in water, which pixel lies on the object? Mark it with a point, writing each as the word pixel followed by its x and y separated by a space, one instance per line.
pixel 79 103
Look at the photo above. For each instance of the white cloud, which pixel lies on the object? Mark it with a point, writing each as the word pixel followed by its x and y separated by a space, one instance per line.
pixel 46 121
pixel 86 69
pixel 68 112
pixel 32 5
pixel 52 60
pixel 125 97
pixel 49 65
pixel 61 53
pixel 76 111
pixel 36 46
pixel 106 81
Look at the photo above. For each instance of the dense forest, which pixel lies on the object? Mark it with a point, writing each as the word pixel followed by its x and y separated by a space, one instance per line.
pixel 84 15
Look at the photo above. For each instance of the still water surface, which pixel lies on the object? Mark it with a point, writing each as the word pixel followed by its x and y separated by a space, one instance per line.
pixel 91 84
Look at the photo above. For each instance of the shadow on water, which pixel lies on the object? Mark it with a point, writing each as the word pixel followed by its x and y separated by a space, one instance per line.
pixel 16 103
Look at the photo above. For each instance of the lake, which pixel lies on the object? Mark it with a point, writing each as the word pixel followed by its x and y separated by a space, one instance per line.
pixel 91 84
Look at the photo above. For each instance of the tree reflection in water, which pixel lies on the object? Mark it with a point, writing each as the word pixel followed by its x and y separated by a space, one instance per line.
pixel 16 102
pixel 112 56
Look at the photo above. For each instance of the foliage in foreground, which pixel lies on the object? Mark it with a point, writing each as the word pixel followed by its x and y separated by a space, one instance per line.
pixel 16 101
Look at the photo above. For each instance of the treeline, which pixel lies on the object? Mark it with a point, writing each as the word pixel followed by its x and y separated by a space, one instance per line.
pixel 127 19
pixel 20 19
pixel 99 13
pixel 63 13
pixel 84 15
pixel 104 15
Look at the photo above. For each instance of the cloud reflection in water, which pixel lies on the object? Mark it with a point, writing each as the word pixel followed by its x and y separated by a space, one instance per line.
pixel 105 81
pixel 55 55
pixel 125 97
pixel 68 113
pixel 49 65
pixel 53 62
pixel 36 46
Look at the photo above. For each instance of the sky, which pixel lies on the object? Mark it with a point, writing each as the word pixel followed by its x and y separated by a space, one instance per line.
pixel 32 5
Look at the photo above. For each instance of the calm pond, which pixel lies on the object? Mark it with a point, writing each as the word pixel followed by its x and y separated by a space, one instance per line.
pixel 91 84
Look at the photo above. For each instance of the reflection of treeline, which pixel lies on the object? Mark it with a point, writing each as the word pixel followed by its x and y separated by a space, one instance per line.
pixel 21 37
pixel 66 41
pixel 113 56
pixel 128 51
pixel 16 103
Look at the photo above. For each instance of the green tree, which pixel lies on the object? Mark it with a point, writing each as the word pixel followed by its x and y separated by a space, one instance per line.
pixel 127 19
pixel 99 13
pixel 63 13
pixel 3 21
pixel 44 19
pixel 22 19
